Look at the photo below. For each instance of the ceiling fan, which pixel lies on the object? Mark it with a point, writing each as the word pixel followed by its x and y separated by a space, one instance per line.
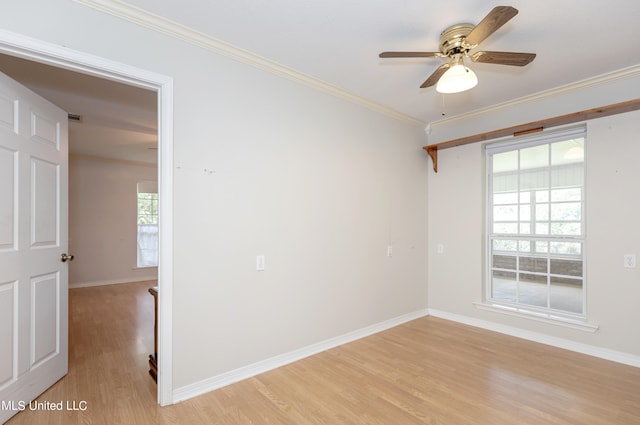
pixel 455 43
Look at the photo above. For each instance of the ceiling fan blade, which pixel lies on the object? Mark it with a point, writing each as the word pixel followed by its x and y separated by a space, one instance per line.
pixel 435 76
pixel 409 54
pixel 498 16
pixel 504 58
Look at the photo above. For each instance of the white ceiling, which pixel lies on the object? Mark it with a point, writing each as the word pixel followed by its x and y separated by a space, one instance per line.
pixel 117 121
pixel 338 42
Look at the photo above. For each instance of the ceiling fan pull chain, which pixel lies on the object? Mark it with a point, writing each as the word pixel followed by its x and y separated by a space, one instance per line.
pixel 443 112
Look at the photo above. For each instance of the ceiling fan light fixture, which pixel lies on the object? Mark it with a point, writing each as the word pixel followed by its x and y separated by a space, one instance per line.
pixel 457 79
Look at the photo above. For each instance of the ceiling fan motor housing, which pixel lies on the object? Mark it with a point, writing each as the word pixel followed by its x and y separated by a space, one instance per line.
pixel 452 39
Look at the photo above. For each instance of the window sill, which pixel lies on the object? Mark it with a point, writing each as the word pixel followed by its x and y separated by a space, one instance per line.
pixel 538 316
pixel 145 268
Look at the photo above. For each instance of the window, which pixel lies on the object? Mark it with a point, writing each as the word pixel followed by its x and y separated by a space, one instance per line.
pixel 147 224
pixel 535 227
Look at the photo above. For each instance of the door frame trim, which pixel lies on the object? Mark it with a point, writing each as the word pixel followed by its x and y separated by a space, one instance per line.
pixel 61 57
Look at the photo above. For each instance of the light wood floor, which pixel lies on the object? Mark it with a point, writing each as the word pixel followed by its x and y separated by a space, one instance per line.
pixel 428 371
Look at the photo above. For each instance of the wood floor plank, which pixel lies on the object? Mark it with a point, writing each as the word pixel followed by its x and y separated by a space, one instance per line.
pixel 428 371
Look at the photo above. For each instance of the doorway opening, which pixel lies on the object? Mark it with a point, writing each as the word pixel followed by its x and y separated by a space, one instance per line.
pixel 39 52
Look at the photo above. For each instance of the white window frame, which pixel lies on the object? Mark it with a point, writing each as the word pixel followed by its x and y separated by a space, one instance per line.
pixel 146 187
pixel 517 307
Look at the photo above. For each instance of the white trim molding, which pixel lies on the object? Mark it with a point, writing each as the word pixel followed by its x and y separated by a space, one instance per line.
pixel 228 378
pixel 591 350
pixel 173 29
pixel 112 282
pixel 538 317
pixel 629 73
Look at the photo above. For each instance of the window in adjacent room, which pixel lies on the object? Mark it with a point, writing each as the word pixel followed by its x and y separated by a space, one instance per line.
pixel 147 224
pixel 536 226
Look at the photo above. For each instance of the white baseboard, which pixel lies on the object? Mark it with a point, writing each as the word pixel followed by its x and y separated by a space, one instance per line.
pixel 219 381
pixel 111 282
pixel 603 353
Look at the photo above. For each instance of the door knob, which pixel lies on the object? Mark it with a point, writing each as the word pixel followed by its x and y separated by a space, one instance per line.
pixel 64 257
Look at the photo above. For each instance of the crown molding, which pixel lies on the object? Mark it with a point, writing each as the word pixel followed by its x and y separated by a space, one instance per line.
pixel 173 29
pixel 624 73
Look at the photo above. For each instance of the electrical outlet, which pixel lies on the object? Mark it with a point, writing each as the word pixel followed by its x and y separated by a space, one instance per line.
pixel 260 262
pixel 630 261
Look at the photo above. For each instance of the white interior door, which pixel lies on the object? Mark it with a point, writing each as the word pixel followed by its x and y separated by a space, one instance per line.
pixel 33 236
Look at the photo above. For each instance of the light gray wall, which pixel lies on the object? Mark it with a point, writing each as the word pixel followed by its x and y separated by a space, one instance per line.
pixel 318 186
pixel 102 221
pixel 264 165
pixel 456 196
